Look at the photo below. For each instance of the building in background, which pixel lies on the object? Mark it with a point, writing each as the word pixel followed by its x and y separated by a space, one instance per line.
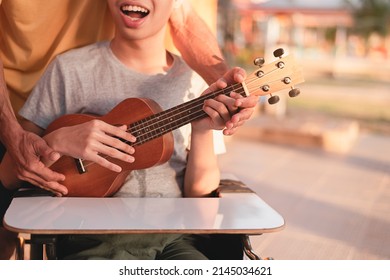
pixel 317 28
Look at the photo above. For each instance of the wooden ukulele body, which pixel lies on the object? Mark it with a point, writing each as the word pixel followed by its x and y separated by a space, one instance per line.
pixel 98 181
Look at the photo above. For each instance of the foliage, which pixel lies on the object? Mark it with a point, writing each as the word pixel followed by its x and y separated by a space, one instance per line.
pixel 372 16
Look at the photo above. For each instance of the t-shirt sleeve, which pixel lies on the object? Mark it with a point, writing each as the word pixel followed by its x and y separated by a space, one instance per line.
pixel 47 100
pixel 219 142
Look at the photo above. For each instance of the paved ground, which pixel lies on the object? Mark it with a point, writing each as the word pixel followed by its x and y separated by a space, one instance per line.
pixel 336 206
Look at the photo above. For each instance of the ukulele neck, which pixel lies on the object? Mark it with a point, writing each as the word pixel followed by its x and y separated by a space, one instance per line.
pixel 166 121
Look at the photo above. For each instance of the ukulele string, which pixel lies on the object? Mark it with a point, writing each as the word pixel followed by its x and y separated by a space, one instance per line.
pixel 172 113
pixel 140 126
pixel 145 124
pixel 151 121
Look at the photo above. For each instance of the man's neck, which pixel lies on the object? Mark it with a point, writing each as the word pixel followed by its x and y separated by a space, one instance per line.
pixel 142 56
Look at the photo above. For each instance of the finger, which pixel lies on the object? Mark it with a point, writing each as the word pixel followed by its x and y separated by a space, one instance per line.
pixel 114 146
pixel 105 143
pixel 235 75
pixel 230 128
pixel 244 102
pixel 214 87
pixel 120 132
pixel 239 118
pixel 239 75
pixel 43 150
pixel 228 102
pixel 221 83
pixel 46 173
pixel 118 139
pixel 42 176
pixel 217 111
pixel 129 137
pixel 229 132
pixel 105 163
pixel 53 187
pixel 242 115
pixel 117 152
pixel 237 98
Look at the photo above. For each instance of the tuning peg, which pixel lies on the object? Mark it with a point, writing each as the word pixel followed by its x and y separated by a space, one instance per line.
pixel 273 99
pixel 260 74
pixel 278 53
pixel 294 92
pixel 259 61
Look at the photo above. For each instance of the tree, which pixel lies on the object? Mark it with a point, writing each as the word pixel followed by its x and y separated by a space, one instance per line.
pixel 371 16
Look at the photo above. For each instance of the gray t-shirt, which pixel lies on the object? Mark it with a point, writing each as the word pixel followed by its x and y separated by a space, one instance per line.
pixel 92 80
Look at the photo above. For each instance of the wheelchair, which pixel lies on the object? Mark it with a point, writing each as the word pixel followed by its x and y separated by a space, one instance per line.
pixel 215 246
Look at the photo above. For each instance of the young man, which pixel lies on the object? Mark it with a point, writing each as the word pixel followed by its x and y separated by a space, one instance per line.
pixel 34 32
pixel 94 79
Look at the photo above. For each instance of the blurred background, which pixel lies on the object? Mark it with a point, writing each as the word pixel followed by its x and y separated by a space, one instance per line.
pixel 321 159
pixel 338 42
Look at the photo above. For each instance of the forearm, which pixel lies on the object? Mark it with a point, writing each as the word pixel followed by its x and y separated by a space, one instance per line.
pixel 8 168
pixel 10 127
pixel 26 151
pixel 202 172
pixel 8 176
pixel 197 44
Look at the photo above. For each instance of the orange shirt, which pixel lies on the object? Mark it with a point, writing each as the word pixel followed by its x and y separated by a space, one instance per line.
pixel 33 32
pixel 207 10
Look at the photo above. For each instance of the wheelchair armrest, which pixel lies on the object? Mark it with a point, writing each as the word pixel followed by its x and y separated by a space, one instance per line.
pixel 231 186
pixel 32 192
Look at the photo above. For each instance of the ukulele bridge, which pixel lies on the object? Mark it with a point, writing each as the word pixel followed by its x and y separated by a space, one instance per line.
pixel 80 166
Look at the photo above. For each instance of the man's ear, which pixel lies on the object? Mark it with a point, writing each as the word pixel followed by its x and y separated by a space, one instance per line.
pixel 177 3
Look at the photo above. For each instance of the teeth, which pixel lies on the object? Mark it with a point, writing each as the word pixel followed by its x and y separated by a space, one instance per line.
pixel 130 8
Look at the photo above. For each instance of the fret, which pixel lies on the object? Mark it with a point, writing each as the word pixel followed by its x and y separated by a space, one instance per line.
pixel 166 121
pixel 239 88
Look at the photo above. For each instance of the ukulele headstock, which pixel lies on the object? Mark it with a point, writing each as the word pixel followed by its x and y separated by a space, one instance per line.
pixel 280 74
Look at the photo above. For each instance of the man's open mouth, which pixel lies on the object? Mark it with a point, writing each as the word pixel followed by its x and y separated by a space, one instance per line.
pixel 134 12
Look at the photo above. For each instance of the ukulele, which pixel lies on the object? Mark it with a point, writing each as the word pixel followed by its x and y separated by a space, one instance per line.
pixel 153 127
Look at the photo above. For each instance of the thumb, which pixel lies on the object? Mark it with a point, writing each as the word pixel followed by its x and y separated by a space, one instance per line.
pixel 43 150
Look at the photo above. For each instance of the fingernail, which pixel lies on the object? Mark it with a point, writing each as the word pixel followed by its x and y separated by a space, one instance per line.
pixel 55 156
pixel 131 159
